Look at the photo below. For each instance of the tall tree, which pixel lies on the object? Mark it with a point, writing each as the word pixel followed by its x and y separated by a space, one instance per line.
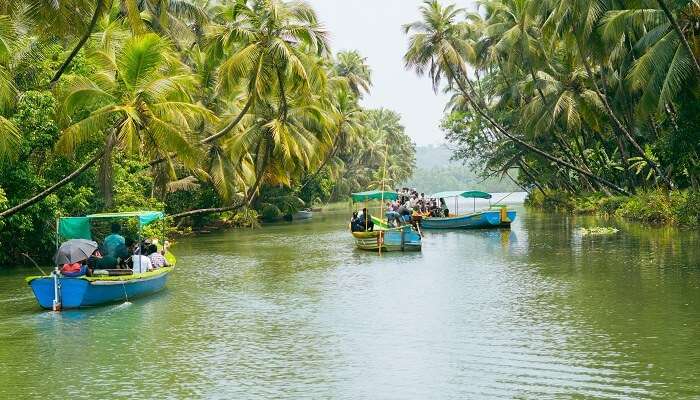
pixel 437 45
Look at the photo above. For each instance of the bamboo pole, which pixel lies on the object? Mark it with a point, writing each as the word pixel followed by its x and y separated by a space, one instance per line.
pixel 381 205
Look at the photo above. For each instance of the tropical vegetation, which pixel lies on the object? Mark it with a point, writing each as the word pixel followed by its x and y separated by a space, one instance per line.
pixel 210 111
pixel 582 98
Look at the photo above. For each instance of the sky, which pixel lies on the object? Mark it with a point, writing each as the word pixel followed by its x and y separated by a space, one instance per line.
pixel 373 27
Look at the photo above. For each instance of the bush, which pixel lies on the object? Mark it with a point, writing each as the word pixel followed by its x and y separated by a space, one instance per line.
pixel 654 206
pixel 271 212
pixel 610 205
pixel 554 200
pixel 247 218
pixel 686 208
pixel 650 206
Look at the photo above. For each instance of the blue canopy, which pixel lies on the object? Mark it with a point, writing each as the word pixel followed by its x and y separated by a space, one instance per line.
pixel 79 227
pixel 462 193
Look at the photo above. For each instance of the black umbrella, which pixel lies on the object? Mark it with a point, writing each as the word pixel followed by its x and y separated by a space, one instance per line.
pixel 75 250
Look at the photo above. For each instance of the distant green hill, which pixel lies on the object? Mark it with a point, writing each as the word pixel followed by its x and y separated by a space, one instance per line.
pixel 435 172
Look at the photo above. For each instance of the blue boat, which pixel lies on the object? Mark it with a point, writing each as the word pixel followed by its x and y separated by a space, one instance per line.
pixel 57 291
pixel 490 218
pixel 403 238
pixel 384 238
pixel 95 291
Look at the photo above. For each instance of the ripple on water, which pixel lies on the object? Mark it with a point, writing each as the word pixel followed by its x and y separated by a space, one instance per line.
pixel 293 311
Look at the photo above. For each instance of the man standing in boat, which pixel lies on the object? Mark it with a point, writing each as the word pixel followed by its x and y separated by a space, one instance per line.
pixel 114 241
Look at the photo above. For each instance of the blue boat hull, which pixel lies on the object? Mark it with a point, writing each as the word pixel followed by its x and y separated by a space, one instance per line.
pixel 78 292
pixel 404 239
pixel 479 220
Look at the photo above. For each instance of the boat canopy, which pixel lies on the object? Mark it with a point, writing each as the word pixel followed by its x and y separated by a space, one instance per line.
pixel 79 227
pixel 374 195
pixel 462 193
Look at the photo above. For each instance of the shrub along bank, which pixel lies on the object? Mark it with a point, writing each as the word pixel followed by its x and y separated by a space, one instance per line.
pixel 654 206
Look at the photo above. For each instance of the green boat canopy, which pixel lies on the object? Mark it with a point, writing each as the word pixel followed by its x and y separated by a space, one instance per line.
pixel 79 227
pixel 374 195
pixel 462 193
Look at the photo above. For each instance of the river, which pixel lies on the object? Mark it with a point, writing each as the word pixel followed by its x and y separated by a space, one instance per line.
pixel 294 311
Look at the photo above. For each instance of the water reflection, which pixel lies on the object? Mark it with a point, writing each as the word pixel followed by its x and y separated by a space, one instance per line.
pixel 294 311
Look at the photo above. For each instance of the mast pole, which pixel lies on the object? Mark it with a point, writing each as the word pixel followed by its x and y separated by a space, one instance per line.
pixel 56 295
pixel 381 205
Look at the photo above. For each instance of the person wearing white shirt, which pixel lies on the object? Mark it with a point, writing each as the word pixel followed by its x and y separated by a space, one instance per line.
pixel 141 263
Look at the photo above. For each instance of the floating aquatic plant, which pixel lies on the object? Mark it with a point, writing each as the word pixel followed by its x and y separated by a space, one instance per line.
pixel 598 231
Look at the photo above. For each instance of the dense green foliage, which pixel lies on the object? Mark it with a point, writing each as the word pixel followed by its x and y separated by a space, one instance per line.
pixel 579 96
pixel 653 206
pixel 215 112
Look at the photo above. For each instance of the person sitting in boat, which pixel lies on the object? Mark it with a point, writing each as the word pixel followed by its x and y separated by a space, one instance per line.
pixel 365 221
pixel 416 217
pixel 443 208
pixel 141 264
pixel 393 218
pixel 157 259
pixel 405 212
pixel 113 241
pixel 354 225
pixel 73 270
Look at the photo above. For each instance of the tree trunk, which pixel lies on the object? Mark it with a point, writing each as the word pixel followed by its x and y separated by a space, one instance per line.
pixel 537 86
pixel 531 177
pixel 217 135
pixel 233 123
pixel 616 121
pixel 331 154
pixel 528 146
pixel 503 74
pixel 259 178
pixel 86 36
pixel 250 197
pixel 52 189
pixel 680 34
pixel 202 211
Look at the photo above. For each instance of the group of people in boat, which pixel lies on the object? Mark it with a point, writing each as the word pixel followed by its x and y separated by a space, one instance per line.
pixel 361 221
pixel 409 208
pixel 120 253
pixel 417 205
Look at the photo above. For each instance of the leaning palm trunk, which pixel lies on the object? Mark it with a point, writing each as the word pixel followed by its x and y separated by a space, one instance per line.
pixel 231 125
pixel 247 201
pixel 329 156
pixel 616 121
pixel 204 211
pixel 52 189
pixel 680 34
pixel 526 145
pixel 225 130
pixel 258 179
pixel 530 176
pixel 83 39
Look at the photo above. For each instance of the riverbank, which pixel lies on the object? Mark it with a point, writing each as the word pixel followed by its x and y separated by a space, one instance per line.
pixel 681 208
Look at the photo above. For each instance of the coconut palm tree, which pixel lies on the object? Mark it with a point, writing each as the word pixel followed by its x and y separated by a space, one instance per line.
pixel 9 134
pixel 266 41
pixel 437 45
pixel 353 67
pixel 140 105
pixel 577 20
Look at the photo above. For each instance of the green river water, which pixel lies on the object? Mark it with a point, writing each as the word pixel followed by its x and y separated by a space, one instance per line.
pixel 294 311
